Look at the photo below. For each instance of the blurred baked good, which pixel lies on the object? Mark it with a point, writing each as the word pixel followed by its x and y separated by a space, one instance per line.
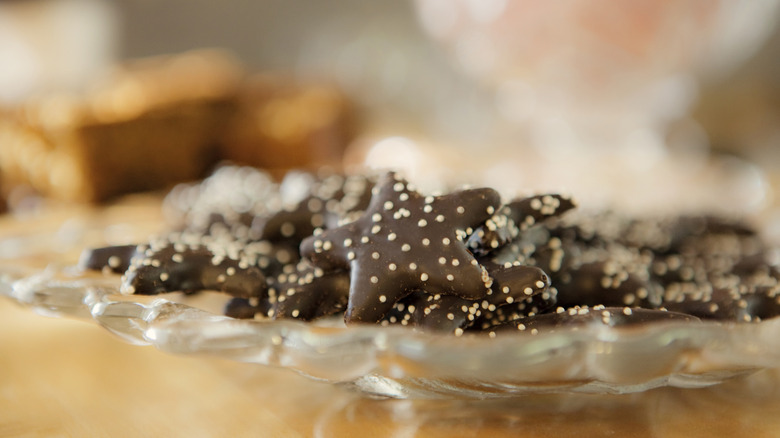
pixel 159 121
pixel 283 124
pixel 151 123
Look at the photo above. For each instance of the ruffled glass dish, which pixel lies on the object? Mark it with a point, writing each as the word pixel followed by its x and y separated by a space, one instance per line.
pixel 393 362
pixel 402 363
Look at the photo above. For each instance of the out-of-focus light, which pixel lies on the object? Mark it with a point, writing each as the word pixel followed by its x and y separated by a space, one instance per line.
pixel 485 11
pixel 515 100
pixel 476 53
pixel 438 17
pixel 394 153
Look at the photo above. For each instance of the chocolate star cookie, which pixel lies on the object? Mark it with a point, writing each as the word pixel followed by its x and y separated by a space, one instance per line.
pixel 516 217
pixel 232 195
pixel 308 293
pixel 454 314
pixel 405 242
pixel 190 262
pixel 581 316
pixel 114 259
pixel 328 201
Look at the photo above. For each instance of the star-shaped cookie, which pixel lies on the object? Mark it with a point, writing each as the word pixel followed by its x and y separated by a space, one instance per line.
pixel 406 242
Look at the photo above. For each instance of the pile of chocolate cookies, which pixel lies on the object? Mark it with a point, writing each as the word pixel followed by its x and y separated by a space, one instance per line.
pixel 375 250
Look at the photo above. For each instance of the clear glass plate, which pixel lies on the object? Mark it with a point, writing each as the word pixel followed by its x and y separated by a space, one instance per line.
pixel 394 362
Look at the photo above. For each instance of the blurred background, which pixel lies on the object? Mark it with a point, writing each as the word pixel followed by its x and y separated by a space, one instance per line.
pixel 643 104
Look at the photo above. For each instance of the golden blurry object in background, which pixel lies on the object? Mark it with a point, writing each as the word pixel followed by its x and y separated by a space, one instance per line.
pixel 158 121
pixel 282 124
pixel 150 124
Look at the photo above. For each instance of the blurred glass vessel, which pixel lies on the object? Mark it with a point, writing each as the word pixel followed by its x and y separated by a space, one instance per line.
pixel 598 70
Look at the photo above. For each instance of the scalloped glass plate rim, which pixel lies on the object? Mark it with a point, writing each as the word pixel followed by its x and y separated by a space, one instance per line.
pixel 405 363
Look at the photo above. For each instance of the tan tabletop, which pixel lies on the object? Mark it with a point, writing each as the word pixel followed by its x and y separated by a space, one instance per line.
pixel 73 379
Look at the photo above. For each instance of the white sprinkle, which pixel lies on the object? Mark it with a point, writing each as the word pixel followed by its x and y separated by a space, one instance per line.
pixel 528 291
pixel 426 241
pixel 445 241
pixel 163 276
pixel 391 236
pixel 287 229
pixel 627 311
pixel 382 298
pixel 455 262
pixel 376 217
pixel 505 289
pixel 450 316
pixel 295 313
pixel 427 209
pixel 178 258
pixel 351 255
pixel 539 284
pixel 374 279
pixel 458 331
pixel 413 266
pixel 375 255
pixel 450 277
pixel 398 186
pixel 490 209
pixel 460 209
pixel 429 199
pixel 440 218
pixel 327 245
pixel 388 205
pixel 392 266
pixel 364 239
pixel 442 260
pixel 114 261
pixel 403 196
pixel 424 276
pixel 230 271
pixel 375 229
pixel 406 247
pixel 347 242
pixel 421 223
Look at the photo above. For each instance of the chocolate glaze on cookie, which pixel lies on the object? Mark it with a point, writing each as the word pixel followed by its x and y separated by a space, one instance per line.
pixel 308 293
pixel 191 262
pixel 515 218
pixel 582 316
pixel 109 258
pixel 329 200
pixel 510 287
pixel 405 242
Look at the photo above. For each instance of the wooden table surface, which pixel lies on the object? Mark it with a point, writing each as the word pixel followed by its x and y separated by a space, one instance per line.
pixel 65 378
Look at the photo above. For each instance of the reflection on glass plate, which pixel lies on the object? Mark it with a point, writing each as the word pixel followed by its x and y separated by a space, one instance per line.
pixel 401 363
